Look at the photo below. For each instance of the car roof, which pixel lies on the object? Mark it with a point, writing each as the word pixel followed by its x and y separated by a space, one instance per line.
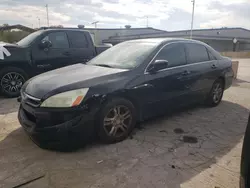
pixel 159 41
pixel 62 29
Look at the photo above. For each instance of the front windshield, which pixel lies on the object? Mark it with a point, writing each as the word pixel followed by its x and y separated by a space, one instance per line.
pixel 126 55
pixel 26 41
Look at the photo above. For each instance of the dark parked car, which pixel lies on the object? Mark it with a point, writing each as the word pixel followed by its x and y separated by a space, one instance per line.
pixel 42 51
pixel 129 82
pixel 245 159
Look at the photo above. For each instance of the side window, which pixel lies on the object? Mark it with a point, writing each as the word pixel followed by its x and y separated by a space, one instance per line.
pixel 211 56
pixel 197 53
pixel 77 39
pixel 58 40
pixel 174 54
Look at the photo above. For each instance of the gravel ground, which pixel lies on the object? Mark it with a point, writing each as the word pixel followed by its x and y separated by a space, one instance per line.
pixel 198 147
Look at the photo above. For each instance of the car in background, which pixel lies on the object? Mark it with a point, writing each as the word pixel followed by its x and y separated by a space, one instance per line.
pixel 245 159
pixel 42 51
pixel 129 82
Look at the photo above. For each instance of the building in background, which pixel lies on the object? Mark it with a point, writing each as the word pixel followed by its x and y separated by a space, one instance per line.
pixel 223 39
pixel 99 35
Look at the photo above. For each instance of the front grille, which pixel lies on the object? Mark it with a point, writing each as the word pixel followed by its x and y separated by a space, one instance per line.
pixel 33 103
pixel 30 100
pixel 29 116
pixel 54 118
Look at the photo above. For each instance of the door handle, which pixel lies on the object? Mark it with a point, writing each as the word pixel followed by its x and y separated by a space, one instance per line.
pixel 213 66
pixel 66 53
pixel 185 73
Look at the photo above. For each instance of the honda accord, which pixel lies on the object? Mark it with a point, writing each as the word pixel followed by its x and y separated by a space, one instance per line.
pixel 129 82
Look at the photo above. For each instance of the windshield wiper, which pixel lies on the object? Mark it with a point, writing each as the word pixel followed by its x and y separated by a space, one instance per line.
pixel 103 65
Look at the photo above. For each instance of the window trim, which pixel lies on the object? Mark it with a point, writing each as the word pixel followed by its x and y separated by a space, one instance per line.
pixel 59 32
pixel 180 66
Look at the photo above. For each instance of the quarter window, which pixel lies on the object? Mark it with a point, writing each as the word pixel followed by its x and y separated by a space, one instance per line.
pixel 197 53
pixel 58 40
pixel 77 39
pixel 174 54
pixel 211 56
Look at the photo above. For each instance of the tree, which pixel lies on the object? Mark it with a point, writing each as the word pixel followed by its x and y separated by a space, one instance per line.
pixel 127 26
pixel 56 26
pixel 12 36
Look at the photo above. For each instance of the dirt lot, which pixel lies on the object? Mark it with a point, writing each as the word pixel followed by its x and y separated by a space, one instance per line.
pixel 156 156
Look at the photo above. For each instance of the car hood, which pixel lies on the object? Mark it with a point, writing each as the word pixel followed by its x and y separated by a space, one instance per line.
pixel 13 53
pixel 67 78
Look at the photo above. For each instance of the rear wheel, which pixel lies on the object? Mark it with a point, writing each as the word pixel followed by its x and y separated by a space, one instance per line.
pixel 11 81
pixel 117 120
pixel 216 93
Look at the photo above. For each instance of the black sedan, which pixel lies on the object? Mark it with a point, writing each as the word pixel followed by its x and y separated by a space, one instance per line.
pixel 130 82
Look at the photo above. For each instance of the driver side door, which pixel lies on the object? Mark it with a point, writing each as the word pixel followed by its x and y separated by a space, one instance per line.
pixel 55 56
pixel 167 87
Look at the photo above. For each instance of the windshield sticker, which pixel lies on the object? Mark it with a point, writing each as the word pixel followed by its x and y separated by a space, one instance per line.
pixel 3 51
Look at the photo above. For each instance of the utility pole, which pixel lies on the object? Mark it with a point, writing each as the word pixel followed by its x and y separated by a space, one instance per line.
pixel 47 10
pixel 95 33
pixel 147 20
pixel 192 22
pixel 95 23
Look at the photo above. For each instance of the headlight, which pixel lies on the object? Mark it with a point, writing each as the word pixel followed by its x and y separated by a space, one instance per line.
pixel 66 99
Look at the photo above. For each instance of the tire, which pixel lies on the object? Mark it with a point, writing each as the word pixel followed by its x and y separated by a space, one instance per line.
pixel 11 81
pixel 108 112
pixel 218 90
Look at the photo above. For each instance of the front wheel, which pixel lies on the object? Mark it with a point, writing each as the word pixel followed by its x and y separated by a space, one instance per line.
pixel 117 120
pixel 11 81
pixel 216 93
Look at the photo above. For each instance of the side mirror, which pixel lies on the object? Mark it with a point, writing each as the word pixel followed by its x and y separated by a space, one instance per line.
pixel 158 65
pixel 45 44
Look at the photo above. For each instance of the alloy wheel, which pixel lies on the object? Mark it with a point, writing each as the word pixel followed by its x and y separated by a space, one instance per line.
pixel 117 121
pixel 217 92
pixel 12 82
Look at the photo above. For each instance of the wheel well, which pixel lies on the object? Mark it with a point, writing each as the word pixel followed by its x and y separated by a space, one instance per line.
pixel 23 69
pixel 6 68
pixel 223 80
pixel 130 99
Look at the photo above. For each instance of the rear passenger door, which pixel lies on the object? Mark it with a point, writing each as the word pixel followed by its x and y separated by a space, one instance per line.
pixel 80 49
pixel 200 70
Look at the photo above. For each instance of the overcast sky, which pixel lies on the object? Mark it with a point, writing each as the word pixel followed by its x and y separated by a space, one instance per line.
pixel 162 14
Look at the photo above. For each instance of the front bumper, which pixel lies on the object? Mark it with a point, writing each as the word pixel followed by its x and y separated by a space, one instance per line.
pixel 56 127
